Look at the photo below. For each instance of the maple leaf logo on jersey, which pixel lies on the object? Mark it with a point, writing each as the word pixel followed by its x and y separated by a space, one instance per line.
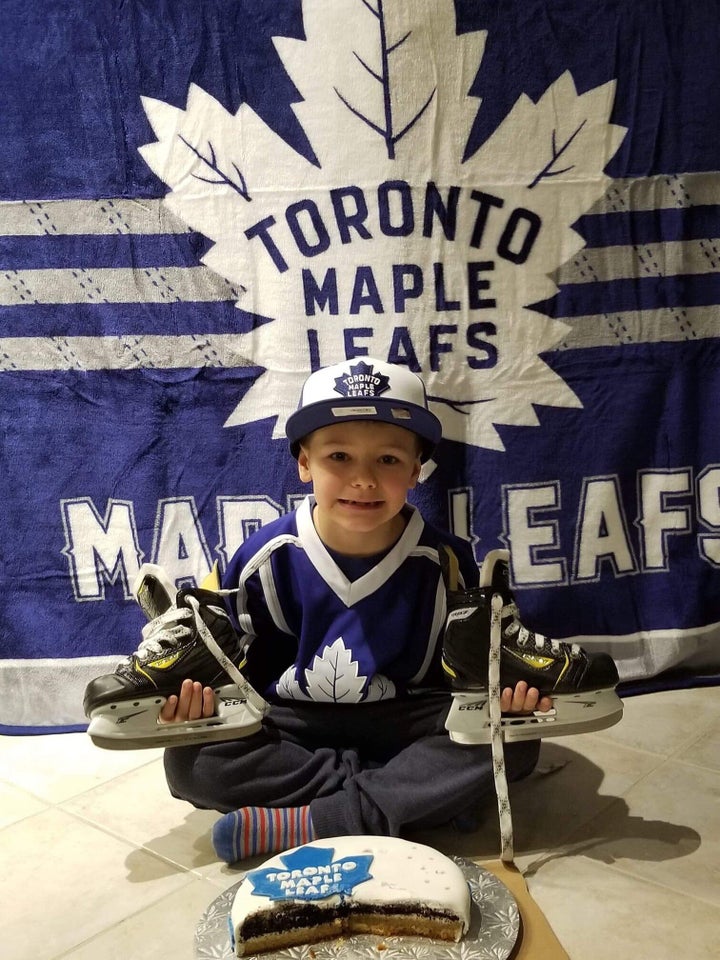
pixel 362 382
pixel 394 239
pixel 334 677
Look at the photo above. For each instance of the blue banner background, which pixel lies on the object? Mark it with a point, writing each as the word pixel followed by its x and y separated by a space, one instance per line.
pixel 72 75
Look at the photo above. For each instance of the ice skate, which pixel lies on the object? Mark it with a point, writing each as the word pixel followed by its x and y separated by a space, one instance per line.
pixel 581 685
pixel 189 635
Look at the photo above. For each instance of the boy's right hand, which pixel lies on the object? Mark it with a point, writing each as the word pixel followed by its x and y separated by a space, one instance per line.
pixel 193 703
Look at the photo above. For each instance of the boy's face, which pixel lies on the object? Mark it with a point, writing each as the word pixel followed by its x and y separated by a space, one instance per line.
pixel 361 473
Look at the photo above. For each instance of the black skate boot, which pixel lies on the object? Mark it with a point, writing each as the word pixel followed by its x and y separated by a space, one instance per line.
pixel 194 639
pixel 581 685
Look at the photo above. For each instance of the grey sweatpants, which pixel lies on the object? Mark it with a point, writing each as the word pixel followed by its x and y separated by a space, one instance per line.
pixel 374 768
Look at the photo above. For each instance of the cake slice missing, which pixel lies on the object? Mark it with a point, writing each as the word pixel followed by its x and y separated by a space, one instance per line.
pixel 350 885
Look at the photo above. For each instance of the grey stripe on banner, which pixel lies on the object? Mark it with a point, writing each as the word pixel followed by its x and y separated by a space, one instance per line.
pixel 114 285
pixel 593 264
pixel 668 324
pixel 120 353
pixel 653 193
pixel 58 217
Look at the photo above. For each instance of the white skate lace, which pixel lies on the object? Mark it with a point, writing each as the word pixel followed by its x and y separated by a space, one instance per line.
pixel 496 734
pixel 165 632
pixel 254 701
pixel 524 636
pixel 176 626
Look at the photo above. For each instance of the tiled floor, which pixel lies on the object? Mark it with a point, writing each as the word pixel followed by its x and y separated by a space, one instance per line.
pixel 618 835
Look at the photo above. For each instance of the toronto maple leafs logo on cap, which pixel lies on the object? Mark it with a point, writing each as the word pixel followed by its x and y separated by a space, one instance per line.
pixel 362 381
pixel 369 389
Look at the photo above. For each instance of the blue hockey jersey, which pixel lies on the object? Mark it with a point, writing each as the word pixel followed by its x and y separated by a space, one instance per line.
pixel 316 635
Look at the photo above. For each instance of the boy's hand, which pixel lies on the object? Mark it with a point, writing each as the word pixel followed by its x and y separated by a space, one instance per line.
pixel 194 702
pixel 523 699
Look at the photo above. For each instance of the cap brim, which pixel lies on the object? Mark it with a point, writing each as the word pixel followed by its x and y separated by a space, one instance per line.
pixel 409 416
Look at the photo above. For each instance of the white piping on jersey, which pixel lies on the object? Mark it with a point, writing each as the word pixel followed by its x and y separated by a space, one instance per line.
pixel 352 592
pixel 273 601
pixel 260 561
pixel 439 618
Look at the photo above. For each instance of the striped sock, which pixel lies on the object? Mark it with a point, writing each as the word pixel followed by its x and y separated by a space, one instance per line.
pixel 252 830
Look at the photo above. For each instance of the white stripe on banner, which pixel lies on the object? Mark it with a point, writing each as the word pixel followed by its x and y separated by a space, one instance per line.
pixel 648 653
pixel 59 680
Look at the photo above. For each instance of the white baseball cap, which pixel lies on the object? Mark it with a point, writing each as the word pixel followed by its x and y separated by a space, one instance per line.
pixel 364 389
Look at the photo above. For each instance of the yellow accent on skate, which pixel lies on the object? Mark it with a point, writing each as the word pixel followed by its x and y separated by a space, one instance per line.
pixel 212 580
pixel 447 669
pixel 165 663
pixel 532 660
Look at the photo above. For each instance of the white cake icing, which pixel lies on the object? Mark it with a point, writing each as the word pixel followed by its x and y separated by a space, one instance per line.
pixel 348 885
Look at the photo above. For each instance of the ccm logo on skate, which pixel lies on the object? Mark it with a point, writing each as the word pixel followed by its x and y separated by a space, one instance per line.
pixel 474 705
pixel 231 702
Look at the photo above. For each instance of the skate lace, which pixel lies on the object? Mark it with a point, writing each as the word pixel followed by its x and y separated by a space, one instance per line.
pixel 525 637
pixel 165 632
pixel 179 624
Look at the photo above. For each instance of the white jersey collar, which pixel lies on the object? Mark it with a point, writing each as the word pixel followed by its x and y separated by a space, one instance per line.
pixel 352 592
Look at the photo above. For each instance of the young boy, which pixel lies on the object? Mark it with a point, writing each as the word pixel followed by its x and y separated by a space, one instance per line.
pixel 343 605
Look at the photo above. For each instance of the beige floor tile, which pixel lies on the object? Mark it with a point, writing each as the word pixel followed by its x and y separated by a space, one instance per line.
pixel 171 828
pixel 705 751
pixel 666 829
pixel 598 913
pixel 164 930
pixel 576 778
pixel 67 881
pixel 16 804
pixel 665 722
pixel 55 767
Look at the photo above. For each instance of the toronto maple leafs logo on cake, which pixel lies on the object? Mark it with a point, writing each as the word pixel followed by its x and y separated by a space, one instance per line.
pixel 362 381
pixel 311 874
pixel 395 240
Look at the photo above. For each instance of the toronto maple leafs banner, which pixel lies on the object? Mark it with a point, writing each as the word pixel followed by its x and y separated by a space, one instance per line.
pixel 202 202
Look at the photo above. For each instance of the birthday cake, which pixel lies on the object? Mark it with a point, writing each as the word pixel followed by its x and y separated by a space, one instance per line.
pixel 346 886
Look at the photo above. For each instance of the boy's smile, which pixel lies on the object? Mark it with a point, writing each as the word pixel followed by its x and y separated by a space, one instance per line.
pixel 361 472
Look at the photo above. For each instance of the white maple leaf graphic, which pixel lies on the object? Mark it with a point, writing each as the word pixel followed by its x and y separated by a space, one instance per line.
pixel 288 686
pixel 385 101
pixel 333 676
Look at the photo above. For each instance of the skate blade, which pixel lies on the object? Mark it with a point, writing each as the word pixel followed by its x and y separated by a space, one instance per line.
pixel 468 721
pixel 134 724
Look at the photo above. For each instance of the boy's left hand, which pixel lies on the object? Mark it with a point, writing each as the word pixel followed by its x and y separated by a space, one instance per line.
pixel 523 699
pixel 193 702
